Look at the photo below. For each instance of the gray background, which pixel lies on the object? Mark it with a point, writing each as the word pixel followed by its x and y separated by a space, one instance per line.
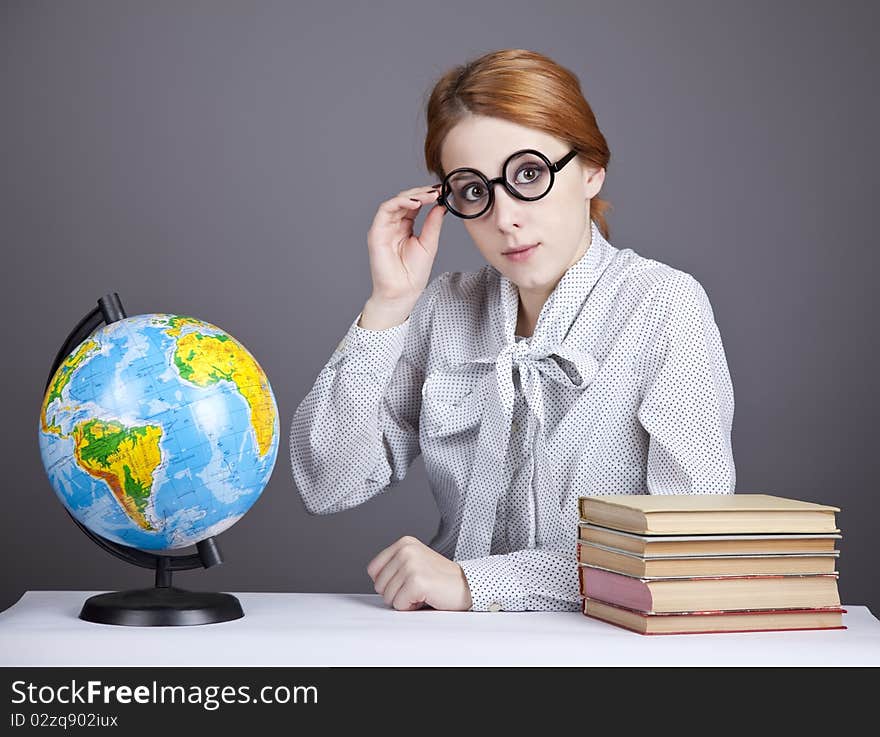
pixel 225 160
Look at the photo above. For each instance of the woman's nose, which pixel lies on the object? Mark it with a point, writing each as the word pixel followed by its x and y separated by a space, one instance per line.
pixel 506 209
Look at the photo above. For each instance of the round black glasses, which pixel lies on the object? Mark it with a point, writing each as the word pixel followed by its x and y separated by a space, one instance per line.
pixel 527 175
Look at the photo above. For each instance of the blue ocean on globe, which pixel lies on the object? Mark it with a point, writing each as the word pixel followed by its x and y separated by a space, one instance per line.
pixel 159 431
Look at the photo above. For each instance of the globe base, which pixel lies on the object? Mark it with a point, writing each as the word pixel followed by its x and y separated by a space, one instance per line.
pixel 162 606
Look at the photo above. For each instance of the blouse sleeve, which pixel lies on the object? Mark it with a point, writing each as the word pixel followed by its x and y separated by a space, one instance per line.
pixel 687 404
pixel 538 579
pixel 356 432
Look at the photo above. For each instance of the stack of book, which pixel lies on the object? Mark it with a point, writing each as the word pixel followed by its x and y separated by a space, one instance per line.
pixel 703 563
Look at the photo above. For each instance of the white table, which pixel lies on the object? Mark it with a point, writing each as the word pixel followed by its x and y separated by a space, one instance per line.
pixel 305 629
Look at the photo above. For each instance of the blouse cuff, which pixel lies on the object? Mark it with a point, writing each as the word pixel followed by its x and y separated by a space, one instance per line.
pixel 494 587
pixel 374 352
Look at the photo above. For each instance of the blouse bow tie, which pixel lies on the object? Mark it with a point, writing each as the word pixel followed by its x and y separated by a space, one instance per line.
pixel 535 362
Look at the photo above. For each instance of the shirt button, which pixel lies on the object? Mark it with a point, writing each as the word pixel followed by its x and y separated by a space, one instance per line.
pixel 341 345
pixel 514 426
pixel 495 607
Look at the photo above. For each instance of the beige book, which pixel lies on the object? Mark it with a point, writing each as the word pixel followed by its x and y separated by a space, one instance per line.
pixel 709 622
pixel 707 565
pixel 674 545
pixel 683 514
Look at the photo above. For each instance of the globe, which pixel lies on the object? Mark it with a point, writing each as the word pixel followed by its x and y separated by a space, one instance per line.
pixel 159 431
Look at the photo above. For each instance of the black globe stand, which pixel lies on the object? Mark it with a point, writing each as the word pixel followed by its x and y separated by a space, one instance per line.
pixel 163 605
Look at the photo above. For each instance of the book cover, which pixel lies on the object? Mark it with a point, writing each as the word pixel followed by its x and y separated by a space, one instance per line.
pixel 622 561
pixel 706 544
pixel 707 513
pixel 713 536
pixel 738 502
pixel 715 621
pixel 675 556
pixel 677 593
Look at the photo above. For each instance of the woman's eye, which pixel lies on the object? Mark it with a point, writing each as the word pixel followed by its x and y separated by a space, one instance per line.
pixel 527 175
pixel 473 192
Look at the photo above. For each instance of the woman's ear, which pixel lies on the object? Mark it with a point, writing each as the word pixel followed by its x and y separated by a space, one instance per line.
pixel 594 181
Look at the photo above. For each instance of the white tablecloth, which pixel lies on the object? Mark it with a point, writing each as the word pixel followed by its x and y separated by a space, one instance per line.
pixel 305 629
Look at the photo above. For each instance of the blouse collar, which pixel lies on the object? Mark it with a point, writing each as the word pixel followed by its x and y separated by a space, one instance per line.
pixel 565 301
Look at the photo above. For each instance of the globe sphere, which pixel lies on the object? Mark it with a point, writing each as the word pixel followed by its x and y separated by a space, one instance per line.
pixel 159 431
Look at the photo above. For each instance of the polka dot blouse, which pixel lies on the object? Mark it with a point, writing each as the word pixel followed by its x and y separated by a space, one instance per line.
pixel 622 389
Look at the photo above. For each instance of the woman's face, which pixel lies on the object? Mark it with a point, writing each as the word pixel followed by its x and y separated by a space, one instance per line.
pixel 559 222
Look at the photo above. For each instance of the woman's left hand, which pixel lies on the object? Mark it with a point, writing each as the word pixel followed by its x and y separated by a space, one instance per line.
pixel 409 574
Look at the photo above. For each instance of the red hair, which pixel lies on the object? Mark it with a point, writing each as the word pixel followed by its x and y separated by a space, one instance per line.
pixel 526 88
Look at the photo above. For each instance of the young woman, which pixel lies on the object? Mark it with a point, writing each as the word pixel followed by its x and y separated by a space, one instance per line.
pixel 564 367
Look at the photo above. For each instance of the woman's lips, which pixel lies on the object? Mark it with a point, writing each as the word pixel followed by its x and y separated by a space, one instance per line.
pixel 521 255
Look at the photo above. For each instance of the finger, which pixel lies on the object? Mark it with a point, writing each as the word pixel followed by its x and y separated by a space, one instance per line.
pixel 430 235
pixel 387 573
pixel 382 557
pixel 399 207
pixel 408 597
pixel 423 188
pixel 425 192
pixel 417 200
pixel 413 213
pixel 393 586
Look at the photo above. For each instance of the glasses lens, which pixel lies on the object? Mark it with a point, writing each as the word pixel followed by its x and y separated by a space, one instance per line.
pixel 528 174
pixel 467 193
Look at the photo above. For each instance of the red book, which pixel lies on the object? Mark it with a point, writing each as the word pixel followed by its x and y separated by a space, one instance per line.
pixel 715 593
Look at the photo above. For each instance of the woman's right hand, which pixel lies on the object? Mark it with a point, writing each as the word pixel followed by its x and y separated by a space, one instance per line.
pixel 400 261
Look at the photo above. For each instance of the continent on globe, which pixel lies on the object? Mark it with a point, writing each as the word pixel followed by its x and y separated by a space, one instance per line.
pixel 62 377
pixel 207 359
pixel 125 458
